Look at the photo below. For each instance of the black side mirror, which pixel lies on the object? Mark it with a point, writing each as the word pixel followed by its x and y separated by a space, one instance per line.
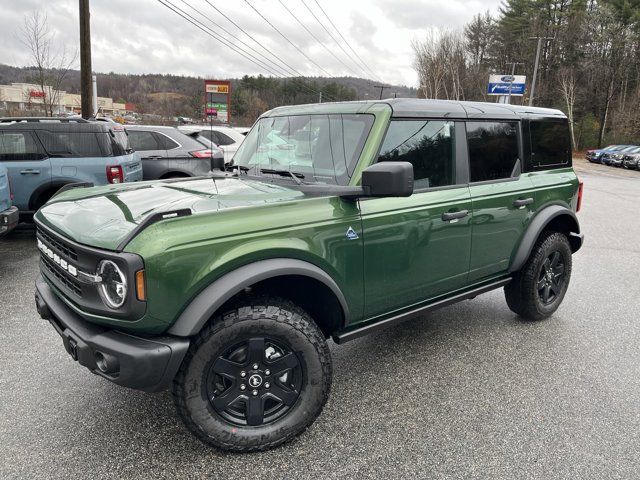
pixel 217 163
pixel 388 179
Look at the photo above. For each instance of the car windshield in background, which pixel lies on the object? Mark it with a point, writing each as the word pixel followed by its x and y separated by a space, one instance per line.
pixel 323 148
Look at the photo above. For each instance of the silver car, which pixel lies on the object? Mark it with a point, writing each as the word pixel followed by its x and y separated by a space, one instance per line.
pixel 169 153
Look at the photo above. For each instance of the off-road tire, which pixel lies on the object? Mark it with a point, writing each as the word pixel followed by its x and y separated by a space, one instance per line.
pixel 272 317
pixel 522 294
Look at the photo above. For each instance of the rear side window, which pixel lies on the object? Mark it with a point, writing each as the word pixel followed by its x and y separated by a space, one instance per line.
pixel 493 150
pixel 16 146
pixel 166 143
pixel 550 143
pixel 223 139
pixel 429 145
pixel 141 141
pixel 70 144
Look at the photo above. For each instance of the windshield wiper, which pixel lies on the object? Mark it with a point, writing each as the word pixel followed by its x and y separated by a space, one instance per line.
pixel 296 176
pixel 240 168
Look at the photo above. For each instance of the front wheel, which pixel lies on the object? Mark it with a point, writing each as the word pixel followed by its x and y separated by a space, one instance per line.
pixel 538 289
pixel 255 377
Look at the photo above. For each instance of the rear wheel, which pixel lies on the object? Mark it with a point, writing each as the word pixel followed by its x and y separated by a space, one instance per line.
pixel 537 290
pixel 254 378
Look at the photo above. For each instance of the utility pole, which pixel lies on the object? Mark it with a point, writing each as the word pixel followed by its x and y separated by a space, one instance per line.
pixel 320 97
pixel 535 68
pixel 86 93
pixel 381 87
pixel 513 72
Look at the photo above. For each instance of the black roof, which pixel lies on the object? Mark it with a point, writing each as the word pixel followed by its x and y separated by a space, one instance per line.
pixel 417 107
pixel 53 124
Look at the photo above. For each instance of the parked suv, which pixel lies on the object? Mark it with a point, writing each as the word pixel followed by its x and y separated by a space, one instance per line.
pixel 227 138
pixel 169 153
pixel 45 154
pixel 334 221
pixel 8 213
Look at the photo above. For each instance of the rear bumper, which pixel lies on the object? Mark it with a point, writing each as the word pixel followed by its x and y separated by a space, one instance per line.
pixel 147 364
pixel 8 220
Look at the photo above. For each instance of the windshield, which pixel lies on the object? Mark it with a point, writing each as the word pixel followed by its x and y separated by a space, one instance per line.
pixel 321 148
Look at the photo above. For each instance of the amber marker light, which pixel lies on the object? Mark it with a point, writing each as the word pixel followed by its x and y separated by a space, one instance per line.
pixel 141 293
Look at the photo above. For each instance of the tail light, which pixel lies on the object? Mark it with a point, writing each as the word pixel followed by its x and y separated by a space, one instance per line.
pixel 202 153
pixel 579 197
pixel 10 191
pixel 115 174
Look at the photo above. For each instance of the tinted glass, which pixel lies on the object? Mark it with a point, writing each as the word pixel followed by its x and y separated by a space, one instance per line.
pixel 324 148
pixel 429 145
pixel 224 139
pixel 165 142
pixel 70 144
pixel 493 150
pixel 550 143
pixel 19 146
pixel 141 140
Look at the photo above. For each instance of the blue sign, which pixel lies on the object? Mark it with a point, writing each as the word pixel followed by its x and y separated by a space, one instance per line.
pixel 503 88
pixel 502 84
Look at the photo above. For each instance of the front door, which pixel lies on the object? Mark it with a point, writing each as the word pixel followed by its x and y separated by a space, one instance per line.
pixel 418 247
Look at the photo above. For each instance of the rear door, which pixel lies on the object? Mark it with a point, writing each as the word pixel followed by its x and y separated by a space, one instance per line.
pixel 28 166
pixel 151 151
pixel 185 154
pixel 502 198
pixel 417 248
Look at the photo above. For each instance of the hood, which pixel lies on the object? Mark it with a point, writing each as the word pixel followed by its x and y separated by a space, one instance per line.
pixel 103 217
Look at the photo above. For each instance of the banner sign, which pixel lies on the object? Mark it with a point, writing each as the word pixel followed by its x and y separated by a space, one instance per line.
pixel 217 99
pixel 503 84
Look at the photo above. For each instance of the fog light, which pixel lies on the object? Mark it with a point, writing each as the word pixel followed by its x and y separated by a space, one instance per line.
pixel 106 363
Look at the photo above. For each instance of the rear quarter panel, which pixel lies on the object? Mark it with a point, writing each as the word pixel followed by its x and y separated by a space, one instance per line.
pixel 94 169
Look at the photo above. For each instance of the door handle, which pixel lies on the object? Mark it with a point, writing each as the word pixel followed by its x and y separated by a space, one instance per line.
pixel 454 216
pixel 29 171
pixel 522 202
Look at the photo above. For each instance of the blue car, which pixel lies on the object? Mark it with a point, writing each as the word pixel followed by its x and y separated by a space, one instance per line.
pixel 595 156
pixel 8 213
pixel 44 154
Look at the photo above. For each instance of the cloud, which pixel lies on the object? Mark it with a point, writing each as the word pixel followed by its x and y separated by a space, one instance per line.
pixel 143 36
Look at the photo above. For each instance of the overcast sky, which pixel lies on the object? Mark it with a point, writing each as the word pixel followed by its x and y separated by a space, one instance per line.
pixel 143 36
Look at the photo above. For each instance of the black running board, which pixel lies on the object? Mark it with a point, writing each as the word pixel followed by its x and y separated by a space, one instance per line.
pixel 360 331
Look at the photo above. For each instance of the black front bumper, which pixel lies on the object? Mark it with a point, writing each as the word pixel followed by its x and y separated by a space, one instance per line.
pixel 147 364
pixel 8 220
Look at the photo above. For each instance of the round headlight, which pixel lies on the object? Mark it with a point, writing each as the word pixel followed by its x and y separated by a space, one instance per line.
pixel 113 288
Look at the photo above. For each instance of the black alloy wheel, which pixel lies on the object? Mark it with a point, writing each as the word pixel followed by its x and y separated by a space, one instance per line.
pixel 254 383
pixel 551 278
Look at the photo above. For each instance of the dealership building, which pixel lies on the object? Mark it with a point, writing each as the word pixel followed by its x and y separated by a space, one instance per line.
pixel 27 97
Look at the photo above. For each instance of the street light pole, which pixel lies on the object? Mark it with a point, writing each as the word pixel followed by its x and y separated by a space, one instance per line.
pixel 535 68
pixel 513 72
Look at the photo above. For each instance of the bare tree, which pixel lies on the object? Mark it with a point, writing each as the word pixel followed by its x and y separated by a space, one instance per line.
pixel 51 64
pixel 567 87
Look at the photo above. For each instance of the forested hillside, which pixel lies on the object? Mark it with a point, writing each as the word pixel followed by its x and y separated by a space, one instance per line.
pixel 589 61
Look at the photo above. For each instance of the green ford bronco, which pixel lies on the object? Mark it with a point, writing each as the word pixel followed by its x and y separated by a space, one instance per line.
pixel 333 220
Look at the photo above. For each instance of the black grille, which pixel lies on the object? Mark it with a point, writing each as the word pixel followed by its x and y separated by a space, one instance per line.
pixel 51 267
pixel 61 247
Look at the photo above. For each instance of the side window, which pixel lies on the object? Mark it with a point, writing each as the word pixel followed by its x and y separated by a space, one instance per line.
pixel 429 145
pixel 165 142
pixel 141 140
pixel 550 143
pixel 209 135
pixel 70 144
pixel 15 146
pixel 224 139
pixel 493 150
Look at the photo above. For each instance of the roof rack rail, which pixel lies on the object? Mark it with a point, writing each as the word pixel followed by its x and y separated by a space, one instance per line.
pixel 42 119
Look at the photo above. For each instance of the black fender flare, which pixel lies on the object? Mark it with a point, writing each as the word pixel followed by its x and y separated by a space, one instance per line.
pixel 209 300
pixel 536 227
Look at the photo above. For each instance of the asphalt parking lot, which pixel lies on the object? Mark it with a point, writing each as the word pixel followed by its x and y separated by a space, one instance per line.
pixel 469 391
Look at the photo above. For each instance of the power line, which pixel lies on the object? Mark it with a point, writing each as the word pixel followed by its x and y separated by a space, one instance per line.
pixel 238 50
pixel 252 38
pixel 345 40
pixel 287 39
pixel 272 64
pixel 316 38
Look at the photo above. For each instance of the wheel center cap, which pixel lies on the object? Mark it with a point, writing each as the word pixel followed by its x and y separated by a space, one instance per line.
pixel 255 380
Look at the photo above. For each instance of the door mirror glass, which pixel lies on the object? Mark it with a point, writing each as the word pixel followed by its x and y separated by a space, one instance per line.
pixel 388 179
